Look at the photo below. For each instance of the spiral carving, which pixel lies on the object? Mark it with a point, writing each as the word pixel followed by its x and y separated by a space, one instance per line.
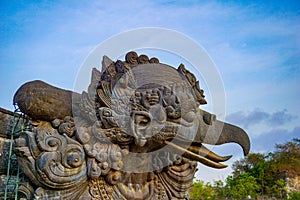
pixel 65 166
pixel 48 139
pixel 51 160
pixel 143 59
pixel 154 60
pixel 114 177
pixel 73 156
pixel 103 159
pixel 131 58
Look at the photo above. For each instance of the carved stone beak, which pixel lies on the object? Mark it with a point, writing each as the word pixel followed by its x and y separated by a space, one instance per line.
pixel 215 132
pixel 210 131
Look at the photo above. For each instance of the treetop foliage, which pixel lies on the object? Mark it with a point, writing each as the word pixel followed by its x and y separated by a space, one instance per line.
pixel 256 175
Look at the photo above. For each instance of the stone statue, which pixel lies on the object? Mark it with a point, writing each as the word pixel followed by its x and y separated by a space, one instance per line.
pixel 137 133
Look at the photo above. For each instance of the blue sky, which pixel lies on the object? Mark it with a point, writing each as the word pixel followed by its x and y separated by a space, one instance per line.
pixel 254 44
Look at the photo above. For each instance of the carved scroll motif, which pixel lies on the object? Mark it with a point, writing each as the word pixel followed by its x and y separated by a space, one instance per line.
pixel 51 160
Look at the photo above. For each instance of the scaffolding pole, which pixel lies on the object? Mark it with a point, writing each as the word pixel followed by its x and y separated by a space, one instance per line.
pixel 18 121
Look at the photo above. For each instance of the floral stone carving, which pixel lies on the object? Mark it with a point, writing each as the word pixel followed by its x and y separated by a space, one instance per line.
pixel 137 133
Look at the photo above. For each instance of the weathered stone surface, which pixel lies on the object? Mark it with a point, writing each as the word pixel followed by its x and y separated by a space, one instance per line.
pixel 5 128
pixel 4 150
pixel 42 101
pixel 5 122
pixel 137 133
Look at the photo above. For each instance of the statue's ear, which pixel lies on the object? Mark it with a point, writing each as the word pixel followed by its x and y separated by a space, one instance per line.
pixel 140 121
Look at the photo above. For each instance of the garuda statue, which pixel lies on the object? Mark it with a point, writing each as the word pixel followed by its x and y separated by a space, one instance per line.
pixel 137 133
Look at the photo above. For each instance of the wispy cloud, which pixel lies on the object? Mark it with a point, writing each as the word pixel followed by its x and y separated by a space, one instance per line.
pixel 266 142
pixel 257 116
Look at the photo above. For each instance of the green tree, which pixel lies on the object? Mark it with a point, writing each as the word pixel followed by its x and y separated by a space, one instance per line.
pixel 202 191
pixel 242 186
pixel 246 164
pixel 270 170
pixel 219 188
pixel 279 188
pixel 287 156
pixel 294 196
pixel 256 175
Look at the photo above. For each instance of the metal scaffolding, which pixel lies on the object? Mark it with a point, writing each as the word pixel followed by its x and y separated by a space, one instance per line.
pixel 14 177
